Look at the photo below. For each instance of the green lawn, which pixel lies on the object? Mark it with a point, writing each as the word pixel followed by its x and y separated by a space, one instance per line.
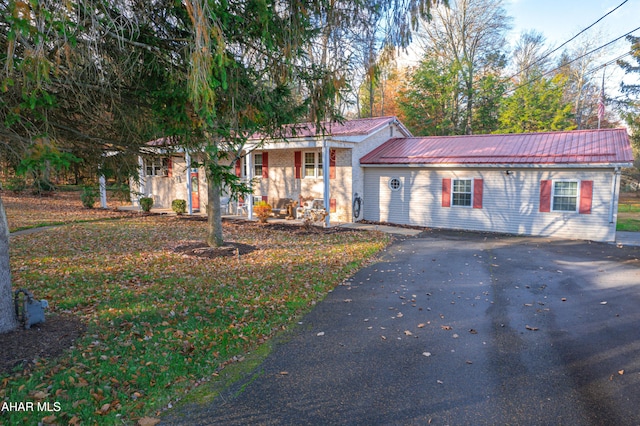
pixel 159 322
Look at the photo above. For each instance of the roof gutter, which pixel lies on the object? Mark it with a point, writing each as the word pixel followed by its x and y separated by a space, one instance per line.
pixel 503 165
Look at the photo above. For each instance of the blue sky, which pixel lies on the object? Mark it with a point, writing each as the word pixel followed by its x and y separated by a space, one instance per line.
pixel 560 20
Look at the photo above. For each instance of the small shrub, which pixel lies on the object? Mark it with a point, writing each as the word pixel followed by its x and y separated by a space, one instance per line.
pixel 42 187
pixel 89 196
pixel 16 184
pixel 121 192
pixel 146 203
pixel 262 209
pixel 179 206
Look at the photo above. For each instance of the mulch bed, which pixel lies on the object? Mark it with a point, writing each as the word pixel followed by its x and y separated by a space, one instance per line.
pixel 20 348
pixel 201 249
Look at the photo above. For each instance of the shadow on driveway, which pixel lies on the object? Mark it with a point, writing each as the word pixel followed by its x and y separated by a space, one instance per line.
pixel 457 328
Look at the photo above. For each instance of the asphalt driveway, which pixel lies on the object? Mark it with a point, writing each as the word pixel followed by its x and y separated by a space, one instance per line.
pixel 458 329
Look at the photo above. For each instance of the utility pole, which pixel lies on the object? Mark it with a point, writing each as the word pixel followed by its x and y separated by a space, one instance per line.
pixel 601 100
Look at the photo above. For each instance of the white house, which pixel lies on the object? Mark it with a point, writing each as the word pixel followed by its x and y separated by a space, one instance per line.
pixel 293 169
pixel 563 184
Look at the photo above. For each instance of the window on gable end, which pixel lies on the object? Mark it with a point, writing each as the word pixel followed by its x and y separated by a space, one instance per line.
pixel 564 196
pixel 461 194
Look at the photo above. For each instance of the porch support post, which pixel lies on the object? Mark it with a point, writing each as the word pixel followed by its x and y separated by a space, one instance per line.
pixel 248 159
pixel 187 158
pixel 142 184
pixel 325 180
pixel 103 190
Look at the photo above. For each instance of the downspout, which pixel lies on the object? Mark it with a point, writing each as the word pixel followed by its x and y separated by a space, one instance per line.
pixel 325 180
pixel 187 158
pixel 614 194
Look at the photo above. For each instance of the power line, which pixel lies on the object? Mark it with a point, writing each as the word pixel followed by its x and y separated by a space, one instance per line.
pixel 568 41
pixel 571 61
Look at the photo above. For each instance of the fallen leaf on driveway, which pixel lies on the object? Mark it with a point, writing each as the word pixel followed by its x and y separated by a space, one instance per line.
pixel 408 333
pixel 148 421
pixel 320 334
pixel 528 327
pixel 427 354
pixel 604 302
pixel 473 331
pixel 621 372
pixel 445 327
pixel 421 325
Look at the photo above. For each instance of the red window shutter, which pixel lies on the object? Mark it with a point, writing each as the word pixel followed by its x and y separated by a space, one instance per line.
pixel 170 167
pixel 477 193
pixel 586 195
pixel 332 164
pixel 265 198
pixel 545 196
pixel 265 165
pixel 297 159
pixel 446 192
pixel 238 168
pixel 332 205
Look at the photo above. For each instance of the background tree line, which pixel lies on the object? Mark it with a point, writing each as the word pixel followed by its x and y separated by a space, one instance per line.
pixel 470 80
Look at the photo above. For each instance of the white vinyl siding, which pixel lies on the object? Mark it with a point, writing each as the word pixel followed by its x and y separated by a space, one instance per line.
pixel 511 203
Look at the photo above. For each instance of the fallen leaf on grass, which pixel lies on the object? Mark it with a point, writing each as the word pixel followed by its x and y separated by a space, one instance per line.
pixel 49 419
pixel 148 421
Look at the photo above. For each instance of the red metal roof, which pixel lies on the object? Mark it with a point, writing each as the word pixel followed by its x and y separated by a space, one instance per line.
pixel 574 147
pixel 360 126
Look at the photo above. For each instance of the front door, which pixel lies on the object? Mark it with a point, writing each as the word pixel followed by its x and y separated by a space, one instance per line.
pixel 195 191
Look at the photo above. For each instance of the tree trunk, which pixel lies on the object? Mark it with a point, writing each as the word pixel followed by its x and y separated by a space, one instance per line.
pixel 214 213
pixel 8 320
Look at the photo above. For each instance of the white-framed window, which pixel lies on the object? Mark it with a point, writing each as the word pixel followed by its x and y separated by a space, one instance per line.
pixel 564 196
pixel 156 166
pixel 312 164
pixel 257 165
pixel 395 184
pixel 462 192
